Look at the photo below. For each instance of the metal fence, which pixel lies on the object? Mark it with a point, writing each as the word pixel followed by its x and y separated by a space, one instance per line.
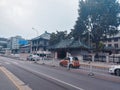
pixel 114 59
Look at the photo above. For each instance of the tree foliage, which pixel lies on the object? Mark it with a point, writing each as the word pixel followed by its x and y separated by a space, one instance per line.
pixel 98 17
pixel 57 37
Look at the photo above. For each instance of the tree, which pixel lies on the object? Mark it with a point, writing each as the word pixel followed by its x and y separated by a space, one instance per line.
pixel 100 17
pixel 57 37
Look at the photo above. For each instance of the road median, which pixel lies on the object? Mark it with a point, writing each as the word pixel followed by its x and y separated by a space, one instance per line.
pixel 99 66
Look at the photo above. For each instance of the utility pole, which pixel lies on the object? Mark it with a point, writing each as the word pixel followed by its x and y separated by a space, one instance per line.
pixel 36 42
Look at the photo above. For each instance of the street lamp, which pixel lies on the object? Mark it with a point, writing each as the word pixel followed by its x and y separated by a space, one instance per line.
pixel 36 31
pixel 36 40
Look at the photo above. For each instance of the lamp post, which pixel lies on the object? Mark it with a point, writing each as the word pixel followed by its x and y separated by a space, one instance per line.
pixel 36 31
pixel 36 49
pixel 36 36
pixel 30 46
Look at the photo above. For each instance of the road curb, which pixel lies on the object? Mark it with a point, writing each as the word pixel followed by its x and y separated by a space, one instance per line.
pixel 17 82
pixel 96 66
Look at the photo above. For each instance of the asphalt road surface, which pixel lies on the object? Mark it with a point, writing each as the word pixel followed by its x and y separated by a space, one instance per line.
pixel 5 83
pixel 42 77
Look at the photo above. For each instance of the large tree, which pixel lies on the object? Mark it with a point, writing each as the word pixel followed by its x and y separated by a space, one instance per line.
pixel 98 18
pixel 57 37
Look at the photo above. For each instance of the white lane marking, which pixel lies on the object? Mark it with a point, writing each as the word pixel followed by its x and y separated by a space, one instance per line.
pixel 16 81
pixel 15 63
pixel 7 63
pixel 59 80
pixel 63 82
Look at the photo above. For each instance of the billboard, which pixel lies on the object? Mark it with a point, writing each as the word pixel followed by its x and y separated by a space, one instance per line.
pixel 23 42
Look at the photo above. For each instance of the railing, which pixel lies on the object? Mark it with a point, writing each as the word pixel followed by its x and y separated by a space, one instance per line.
pixel 115 59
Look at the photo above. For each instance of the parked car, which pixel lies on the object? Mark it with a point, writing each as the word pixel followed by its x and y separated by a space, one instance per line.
pixel 115 69
pixel 33 57
pixel 75 62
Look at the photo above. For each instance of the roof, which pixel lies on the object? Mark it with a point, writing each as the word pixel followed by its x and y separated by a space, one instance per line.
pixel 3 42
pixel 45 35
pixel 27 45
pixel 109 48
pixel 69 43
pixel 117 35
pixel 76 44
pixel 114 36
pixel 63 44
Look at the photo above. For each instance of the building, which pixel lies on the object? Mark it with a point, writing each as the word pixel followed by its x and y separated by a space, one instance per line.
pixel 40 44
pixel 113 44
pixel 3 45
pixel 70 47
pixel 3 42
pixel 14 44
pixel 25 48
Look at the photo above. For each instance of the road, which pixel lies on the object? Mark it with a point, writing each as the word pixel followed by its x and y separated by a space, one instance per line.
pixel 5 83
pixel 41 77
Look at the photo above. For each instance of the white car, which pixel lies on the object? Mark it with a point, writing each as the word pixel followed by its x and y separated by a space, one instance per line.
pixel 33 57
pixel 115 69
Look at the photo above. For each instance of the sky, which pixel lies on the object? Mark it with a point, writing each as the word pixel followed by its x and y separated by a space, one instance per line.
pixel 29 18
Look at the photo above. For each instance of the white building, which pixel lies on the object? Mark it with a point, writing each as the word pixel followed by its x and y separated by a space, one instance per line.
pixel 14 44
pixel 113 43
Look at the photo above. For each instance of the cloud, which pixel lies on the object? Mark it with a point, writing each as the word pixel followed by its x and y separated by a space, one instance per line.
pixel 19 16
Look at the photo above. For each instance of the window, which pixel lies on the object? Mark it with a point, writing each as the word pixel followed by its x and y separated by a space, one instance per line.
pixel 109 45
pixel 109 40
pixel 116 45
pixel 116 39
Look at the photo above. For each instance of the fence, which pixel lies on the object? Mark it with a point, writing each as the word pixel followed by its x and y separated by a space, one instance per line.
pixel 99 58
pixel 114 59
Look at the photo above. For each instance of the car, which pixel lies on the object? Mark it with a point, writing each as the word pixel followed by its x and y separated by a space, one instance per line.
pixel 115 69
pixel 33 57
pixel 75 62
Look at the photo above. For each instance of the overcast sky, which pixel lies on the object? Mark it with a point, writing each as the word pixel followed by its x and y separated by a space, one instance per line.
pixel 18 17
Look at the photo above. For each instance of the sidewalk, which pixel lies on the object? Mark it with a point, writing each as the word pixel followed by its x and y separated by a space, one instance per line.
pixel 102 65
pixel 56 62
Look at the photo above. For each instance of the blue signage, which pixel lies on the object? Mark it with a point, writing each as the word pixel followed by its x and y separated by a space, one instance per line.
pixel 23 42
